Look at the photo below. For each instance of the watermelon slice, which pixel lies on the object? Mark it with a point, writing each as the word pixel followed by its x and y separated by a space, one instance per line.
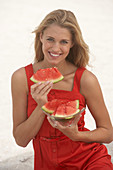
pixel 63 109
pixel 48 74
pixel 51 106
pixel 67 110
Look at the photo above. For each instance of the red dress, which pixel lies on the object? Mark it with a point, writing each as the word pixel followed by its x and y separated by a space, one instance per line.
pixel 53 150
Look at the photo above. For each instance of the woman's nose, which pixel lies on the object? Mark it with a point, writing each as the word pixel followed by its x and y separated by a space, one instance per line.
pixel 56 47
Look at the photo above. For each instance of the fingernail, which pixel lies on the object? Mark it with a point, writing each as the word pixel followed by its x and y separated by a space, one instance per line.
pixel 55 124
pixel 39 82
pixel 51 83
pixel 47 82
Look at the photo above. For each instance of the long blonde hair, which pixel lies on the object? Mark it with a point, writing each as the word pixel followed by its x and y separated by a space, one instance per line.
pixel 79 53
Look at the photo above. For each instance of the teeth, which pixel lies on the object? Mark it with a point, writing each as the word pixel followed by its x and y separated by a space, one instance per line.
pixel 55 55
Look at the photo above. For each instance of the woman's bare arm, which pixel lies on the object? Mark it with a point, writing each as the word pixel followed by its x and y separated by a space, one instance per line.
pixel 24 128
pixel 103 133
pixel 90 88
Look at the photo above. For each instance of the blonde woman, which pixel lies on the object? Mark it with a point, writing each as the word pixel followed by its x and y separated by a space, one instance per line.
pixel 59 43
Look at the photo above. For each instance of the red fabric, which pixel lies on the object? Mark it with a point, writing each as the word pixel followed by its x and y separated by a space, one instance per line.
pixel 53 150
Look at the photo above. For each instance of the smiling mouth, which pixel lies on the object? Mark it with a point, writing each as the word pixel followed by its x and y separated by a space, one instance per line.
pixel 54 55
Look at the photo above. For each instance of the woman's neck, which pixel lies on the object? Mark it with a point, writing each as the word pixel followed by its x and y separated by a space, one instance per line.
pixel 62 66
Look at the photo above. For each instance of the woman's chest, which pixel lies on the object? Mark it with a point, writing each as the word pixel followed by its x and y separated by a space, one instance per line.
pixel 66 84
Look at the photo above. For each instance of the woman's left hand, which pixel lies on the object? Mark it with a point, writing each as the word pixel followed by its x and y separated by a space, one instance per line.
pixel 70 131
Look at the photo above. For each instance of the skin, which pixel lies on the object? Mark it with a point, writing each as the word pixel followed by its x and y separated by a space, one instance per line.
pixel 56 44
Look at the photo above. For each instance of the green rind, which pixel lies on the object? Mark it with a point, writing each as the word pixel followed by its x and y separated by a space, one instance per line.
pixel 32 79
pixel 67 117
pixel 54 81
pixel 77 104
pixel 73 114
pixel 47 110
pixel 50 111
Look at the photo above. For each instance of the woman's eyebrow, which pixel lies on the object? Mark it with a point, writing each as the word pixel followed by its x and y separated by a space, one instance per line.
pixel 64 39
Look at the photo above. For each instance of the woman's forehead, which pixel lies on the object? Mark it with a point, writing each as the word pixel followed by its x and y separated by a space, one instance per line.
pixel 56 30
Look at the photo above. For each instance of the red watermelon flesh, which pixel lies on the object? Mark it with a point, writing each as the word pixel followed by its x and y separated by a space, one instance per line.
pixel 48 74
pixel 74 104
pixel 51 106
pixel 59 108
pixel 67 110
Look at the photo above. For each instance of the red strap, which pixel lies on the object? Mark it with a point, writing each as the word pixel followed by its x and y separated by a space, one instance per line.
pixel 78 76
pixel 29 73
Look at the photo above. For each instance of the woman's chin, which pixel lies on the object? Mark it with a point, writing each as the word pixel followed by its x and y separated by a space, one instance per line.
pixel 53 63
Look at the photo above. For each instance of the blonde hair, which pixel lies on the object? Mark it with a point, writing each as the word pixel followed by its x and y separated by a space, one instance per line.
pixel 79 53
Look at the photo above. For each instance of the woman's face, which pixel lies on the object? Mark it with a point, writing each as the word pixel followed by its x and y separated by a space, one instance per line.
pixel 56 44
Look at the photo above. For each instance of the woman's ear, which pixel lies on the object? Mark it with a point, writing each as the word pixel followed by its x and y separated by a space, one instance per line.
pixel 72 44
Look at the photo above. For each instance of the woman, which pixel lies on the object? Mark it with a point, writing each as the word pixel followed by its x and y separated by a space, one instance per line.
pixel 59 43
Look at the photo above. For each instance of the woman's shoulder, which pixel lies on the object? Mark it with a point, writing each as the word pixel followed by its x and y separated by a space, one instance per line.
pixel 88 77
pixel 19 73
pixel 88 81
pixel 19 78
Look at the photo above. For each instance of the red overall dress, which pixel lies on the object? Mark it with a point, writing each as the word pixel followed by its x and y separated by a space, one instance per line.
pixel 53 150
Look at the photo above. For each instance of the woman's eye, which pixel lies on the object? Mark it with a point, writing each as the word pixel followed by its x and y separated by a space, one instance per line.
pixel 64 42
pixel 50 39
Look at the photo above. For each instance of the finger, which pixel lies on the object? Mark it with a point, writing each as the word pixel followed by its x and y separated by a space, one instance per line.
pixel 47 89
pixel 34 86
pixel 76 119
pixel 60 126
pixel 52 122
pixel 42 85
pixel 37 87
pixel 44 88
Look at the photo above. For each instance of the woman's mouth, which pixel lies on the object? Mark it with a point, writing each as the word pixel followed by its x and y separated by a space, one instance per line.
pixel 54 55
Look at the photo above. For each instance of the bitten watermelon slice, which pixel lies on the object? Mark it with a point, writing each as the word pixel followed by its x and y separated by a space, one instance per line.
pixel 51 106
pixel 67 110
pixel 63 109
pixel 48 74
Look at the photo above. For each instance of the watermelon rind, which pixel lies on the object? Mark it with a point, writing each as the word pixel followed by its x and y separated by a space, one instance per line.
pixel 51 80
pixel 77 105
pixel 67 117
pixel 32 79
pixel 51 106
pixel 47 110
pixel 51 110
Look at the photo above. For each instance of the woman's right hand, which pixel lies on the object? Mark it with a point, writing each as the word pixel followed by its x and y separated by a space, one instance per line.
pixel 39 92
